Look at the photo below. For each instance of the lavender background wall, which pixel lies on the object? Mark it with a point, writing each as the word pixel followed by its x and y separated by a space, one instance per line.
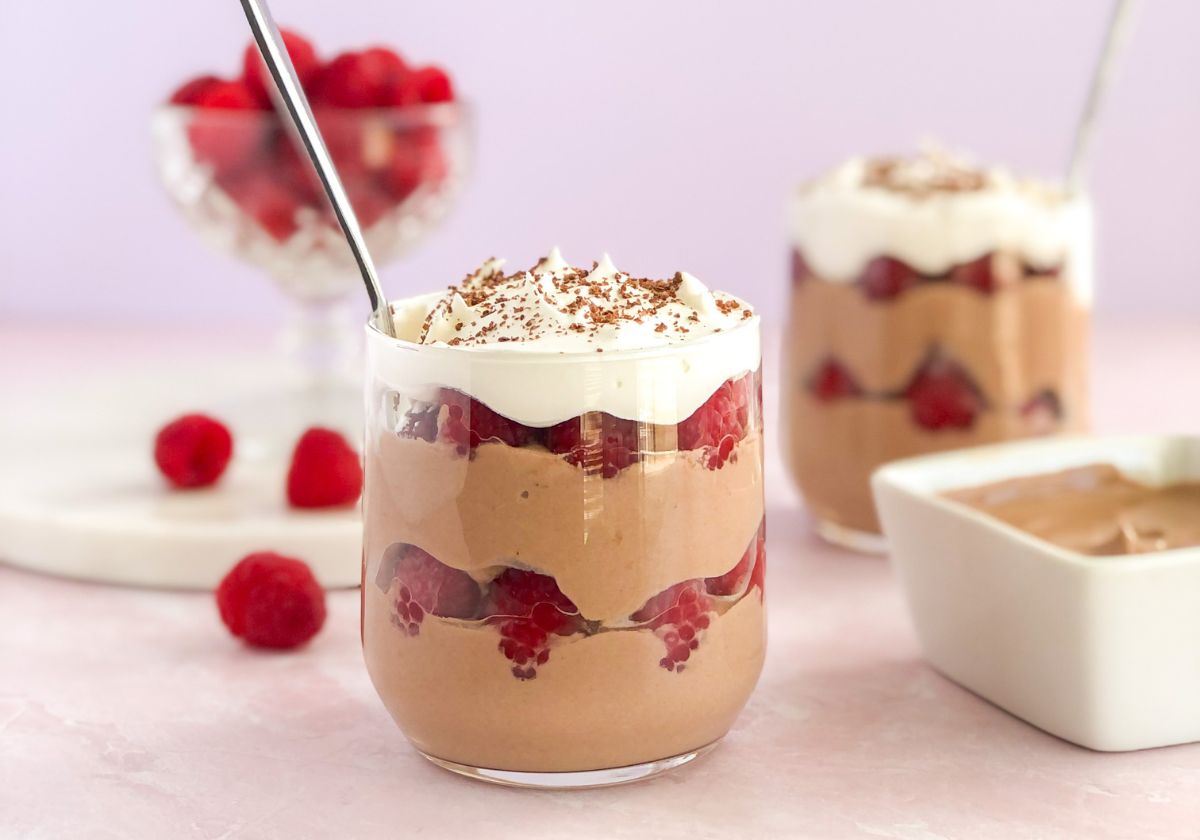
pixel 667 133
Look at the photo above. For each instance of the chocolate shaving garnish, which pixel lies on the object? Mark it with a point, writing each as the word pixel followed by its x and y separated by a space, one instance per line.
pixel 592 304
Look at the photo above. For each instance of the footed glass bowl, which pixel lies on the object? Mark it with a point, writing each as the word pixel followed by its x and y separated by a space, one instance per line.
pixel 245 184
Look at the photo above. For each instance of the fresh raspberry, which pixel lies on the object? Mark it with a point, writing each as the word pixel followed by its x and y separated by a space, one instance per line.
pixel 470 423
pixel 976 274
pixel 731 582
pixel 220 133
pixel 426 585
pixel 193 450
pixel 735 580
pixel 266 199
pixel 271 601
pixel 800 269
pixel 190 92
pixel 346 139
pixel 291 166
pixel 833 382
pixel 758 575
pixel 885 278
pixel 943 396
pixel 718 424
pixel 432 85
pixel 370 202
pixel 606 447
pixel 678 615
pixel 416 159
pixel 258 79
pixel 359 79
pixel 402 174
pixel 529 609
pixel 1042 413
pixel 325 472
pixel 746 574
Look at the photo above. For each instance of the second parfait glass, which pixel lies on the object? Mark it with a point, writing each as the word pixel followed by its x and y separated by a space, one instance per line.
pixel 934 306
pixel 564 553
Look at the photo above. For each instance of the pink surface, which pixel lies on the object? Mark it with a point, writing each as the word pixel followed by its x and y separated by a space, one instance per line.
pixel 668 133
pixel 131 714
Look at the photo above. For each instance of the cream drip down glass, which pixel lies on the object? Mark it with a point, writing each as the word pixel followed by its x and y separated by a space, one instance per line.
pixel 564 544
pixel 934 306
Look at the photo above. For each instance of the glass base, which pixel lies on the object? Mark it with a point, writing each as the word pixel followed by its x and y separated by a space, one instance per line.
pixel 577 780
pixel 864 542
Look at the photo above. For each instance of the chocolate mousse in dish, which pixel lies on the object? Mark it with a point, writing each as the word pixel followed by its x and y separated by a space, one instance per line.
pixel 564 531
pixel 935 305
pixel 1094 509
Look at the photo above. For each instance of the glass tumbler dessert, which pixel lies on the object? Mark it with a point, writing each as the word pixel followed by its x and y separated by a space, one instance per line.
pixel 934 306
pixel 564 533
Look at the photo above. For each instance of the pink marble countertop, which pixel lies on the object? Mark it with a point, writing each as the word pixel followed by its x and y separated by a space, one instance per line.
pixel 131 714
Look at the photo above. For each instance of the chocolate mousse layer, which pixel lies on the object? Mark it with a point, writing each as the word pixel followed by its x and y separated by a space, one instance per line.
pixel 1093 510
pixel 610 543
pixel 601 701
pixel 1019 353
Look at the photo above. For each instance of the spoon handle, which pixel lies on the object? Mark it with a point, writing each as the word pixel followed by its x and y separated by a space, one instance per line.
pixel 275 55
pixel 1114 39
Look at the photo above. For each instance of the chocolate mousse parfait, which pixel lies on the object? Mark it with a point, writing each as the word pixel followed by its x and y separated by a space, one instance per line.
pixel 935 305
pixel 564 544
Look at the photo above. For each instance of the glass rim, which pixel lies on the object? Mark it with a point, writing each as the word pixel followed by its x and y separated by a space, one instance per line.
pixel 421 112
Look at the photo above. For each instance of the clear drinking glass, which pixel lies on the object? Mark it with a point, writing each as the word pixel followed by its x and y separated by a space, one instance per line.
pixel 573 601
pixel 923 321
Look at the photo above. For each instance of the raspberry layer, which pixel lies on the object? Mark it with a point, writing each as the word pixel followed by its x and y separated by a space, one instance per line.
pixel 1022 348
pixel 611 543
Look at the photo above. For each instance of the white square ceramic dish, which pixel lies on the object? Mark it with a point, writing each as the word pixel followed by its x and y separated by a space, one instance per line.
pixel 1101 651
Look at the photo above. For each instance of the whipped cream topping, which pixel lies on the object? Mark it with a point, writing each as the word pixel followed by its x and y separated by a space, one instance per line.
pixel 554 307
pixel 933 212
pixel 555 342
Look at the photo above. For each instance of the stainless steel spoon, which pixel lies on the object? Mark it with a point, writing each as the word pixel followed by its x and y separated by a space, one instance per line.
pixel 275 55
pixel 1114 40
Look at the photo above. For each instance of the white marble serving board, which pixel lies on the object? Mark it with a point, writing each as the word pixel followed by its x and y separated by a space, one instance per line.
pixel 80 495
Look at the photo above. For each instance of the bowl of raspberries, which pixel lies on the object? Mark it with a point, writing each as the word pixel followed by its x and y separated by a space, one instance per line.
pixel 395 130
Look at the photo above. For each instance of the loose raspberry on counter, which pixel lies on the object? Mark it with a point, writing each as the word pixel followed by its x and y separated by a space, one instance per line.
pixel 258 78
pixel 326 471
pixel 833 382
pixel 943 396
pixel 426 585
pixel 271 601
pixel 193 450
pixel 529 608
